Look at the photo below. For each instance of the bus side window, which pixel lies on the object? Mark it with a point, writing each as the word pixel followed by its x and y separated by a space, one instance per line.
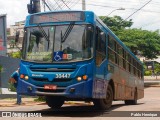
pixel 124 59
pixel 112 48
pixel 100 46
pixel 120 54
pixel 129 63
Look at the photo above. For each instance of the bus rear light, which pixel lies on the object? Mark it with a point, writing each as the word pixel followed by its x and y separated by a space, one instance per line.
pixel 22 76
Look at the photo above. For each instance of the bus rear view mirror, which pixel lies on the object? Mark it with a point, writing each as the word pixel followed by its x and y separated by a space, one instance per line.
pixel 37 33
pixel 29 7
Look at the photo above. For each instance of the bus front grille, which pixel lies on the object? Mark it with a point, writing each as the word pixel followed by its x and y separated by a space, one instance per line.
pixel 54 80
pixel 53 91
pixel 52 69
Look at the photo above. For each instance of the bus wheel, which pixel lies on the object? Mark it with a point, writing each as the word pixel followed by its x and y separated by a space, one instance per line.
pixel 104 104
pixel 132 102
pixel 54 102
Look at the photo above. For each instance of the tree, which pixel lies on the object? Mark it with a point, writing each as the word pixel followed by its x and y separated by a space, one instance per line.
pixel 147 42
pixel 116 23
pixel 157 69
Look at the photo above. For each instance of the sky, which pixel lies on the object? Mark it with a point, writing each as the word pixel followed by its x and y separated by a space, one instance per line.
pixel 147 18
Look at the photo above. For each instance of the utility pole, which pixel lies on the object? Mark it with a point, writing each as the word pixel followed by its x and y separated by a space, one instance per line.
pixel 44 5
pixel 83 5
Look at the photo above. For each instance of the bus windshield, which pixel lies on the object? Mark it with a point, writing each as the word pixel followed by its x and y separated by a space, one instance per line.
pixel 58 43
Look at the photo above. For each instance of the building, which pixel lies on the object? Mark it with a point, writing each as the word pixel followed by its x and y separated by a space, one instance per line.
pixel 18 28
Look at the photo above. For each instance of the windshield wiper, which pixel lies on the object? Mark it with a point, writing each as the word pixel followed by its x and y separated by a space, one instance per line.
pixel 44 34
pixel 67 32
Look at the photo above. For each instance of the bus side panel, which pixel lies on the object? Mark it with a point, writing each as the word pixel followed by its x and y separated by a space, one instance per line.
pixel 140 87
pixel 99 88
pixel 140 93
pixel 100 81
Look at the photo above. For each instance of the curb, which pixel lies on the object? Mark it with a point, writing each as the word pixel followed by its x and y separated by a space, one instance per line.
pixel 151 83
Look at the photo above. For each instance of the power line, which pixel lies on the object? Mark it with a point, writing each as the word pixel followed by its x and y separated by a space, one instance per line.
pixel 66 5
pixel 75 3
pixel 57 4
pixel 107 6
pixel 104 6
pixel 123 2
pixel 138 10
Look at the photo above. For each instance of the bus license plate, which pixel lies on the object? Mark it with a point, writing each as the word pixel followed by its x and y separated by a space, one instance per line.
pixel 50 87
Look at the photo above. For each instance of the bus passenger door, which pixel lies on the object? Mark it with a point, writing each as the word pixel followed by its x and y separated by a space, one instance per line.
pixel 100 84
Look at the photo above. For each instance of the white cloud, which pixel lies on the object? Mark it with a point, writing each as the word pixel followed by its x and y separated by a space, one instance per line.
pixel 16 10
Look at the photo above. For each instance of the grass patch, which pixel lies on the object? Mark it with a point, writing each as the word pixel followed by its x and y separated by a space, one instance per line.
pixel 40 99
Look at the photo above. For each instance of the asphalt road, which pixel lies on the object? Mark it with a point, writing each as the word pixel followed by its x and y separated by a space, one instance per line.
pixel 148 107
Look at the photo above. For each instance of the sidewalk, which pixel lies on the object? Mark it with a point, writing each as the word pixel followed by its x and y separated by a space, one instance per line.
pixel 151 78
pixel 11 102
pixel 152 81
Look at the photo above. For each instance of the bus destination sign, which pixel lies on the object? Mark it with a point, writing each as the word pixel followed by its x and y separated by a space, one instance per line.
pixel 57 17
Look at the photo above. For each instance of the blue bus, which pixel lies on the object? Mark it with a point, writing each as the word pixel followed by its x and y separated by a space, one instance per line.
pixel 73 55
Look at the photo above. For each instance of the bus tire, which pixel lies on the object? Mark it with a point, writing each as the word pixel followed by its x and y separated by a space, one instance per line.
pixel 54 102
pixel 132 102
pixel 104 104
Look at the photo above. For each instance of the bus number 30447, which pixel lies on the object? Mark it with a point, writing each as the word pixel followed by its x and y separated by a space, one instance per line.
pixel 63 75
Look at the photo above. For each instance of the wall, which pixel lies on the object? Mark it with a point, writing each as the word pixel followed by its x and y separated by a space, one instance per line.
pixel 9 65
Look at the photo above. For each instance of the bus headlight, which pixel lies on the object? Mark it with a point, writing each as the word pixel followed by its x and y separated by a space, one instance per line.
pixel 22 76
pixel 84 77
pixel 79 78
pixel 26 77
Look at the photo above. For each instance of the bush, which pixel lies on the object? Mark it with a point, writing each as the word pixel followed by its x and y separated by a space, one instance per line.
pixel 0 68
pixel 15 54
pixel 148 73
pixel 40 99
pixel 11 87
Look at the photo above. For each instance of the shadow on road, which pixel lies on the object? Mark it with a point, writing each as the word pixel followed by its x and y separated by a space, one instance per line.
pixel 77 111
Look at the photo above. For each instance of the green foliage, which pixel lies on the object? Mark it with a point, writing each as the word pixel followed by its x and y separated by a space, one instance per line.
pixel 0 68
pixel 15 54
pixel 157 69
pixel 116 23
pixel 147 42
pixel 11 87
pixel 40 99
pixel 148 73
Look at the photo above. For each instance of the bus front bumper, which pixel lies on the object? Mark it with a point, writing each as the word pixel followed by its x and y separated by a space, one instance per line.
pixel 79 90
